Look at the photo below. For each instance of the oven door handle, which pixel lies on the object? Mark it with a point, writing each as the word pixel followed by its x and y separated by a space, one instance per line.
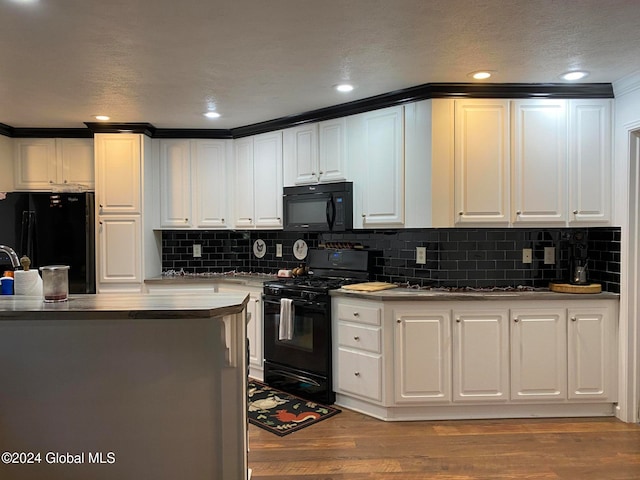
pixel 295 376
pixel 295 303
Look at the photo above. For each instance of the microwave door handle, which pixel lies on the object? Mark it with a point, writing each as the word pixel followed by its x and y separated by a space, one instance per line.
pixel 330 212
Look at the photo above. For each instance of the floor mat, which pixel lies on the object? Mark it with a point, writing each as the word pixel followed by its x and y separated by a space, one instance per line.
pixel 282 413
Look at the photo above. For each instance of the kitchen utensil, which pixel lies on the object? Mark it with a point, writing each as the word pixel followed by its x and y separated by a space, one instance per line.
pixel 55 283
pixel 570 288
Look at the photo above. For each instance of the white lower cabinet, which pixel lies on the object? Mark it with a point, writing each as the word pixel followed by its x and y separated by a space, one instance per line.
pixel 412 360
pixel 422 355
pixel 480 355
pixel 357 349
pixel 539 354
pixel 119 249
pixel 254 326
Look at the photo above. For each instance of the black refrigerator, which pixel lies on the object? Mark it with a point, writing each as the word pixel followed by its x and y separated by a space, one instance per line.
pixel 52 229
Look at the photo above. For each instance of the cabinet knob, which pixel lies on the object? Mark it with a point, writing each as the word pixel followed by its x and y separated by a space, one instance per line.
pixel 222 220
pixel 398 321
pixel 356 338
pixel 65 181
pixel 364 215
pixel 100 205
pixel 518 212
pixel 356 314
pixel 460 213
pixel 321 172
pixel 357 374
pixel 575 212
pixel 313 174
pixel 100 222
pixel 186 220
pixel 50 181
pixel 573 319
pixel 458 320
pixel 516 320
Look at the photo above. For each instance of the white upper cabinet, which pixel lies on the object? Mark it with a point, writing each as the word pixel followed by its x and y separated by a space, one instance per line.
pixel 300 155
pixel 258 181
pixel 332 153
pixel 118 173
pixel 193 183
pixel 481 161
pixel 540 161
pixel 590 154
pixel 175 184
pixel 376 162
pixel 209 180
pixel 42 163
pixel 315 153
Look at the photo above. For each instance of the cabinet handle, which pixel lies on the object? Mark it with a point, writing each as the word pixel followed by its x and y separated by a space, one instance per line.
pixel 50 181
pixel 573 319
pixel 356 314
pixel 313 174
pixel 357 374
pixel 65 181
pixel 321 172
pixel 222 220
pixel 100 205
pixel 458 320
pixel 356 338
pixel 575 212
pixel 186 220
pixel 364 215
pixel 398 321
pixel 460 213
pixel 518 212
pixel 516 320
pixel 100 222
pixel 257 300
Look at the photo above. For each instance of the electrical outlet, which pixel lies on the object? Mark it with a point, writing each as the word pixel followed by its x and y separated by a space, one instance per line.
pixel 279 250
pixel 197 250
pixel 549 255
pixel 421 255
pixel 527 255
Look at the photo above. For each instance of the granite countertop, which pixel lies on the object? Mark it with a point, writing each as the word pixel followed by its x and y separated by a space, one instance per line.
pixel 125 306
pixel 249 279
pixel 404 294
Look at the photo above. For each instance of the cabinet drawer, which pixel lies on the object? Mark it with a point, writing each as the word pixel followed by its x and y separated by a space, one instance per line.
pixel 359 313
pixel 362 338
pixel 360 374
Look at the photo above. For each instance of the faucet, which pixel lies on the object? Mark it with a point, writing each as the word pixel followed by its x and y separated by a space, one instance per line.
pixel 11 253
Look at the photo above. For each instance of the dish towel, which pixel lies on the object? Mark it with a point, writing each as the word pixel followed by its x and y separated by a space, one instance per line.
pixel 285 330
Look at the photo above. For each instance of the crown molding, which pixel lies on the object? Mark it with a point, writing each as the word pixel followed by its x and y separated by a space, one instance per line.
pixel 397 97
pixel 627 84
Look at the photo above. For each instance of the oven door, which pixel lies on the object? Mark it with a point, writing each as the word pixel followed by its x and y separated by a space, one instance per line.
pixel 309 348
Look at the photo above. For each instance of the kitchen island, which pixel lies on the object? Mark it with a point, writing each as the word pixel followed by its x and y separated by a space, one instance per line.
pixel 123 386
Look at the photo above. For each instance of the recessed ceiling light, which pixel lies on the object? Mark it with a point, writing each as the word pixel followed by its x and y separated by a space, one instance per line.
pixel 575 75
pixel 211 114
pixel 102 118
pixel 344 87
pixel 480 75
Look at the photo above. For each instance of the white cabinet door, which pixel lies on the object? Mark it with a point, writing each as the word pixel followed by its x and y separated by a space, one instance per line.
pixel 243 183
pixel 76 164
pixel 119 248
pixel 539 161
pixel 175 184
pixel 332 150
pixel 590 161
pixel 118 171
pixel 383 156
pixel 481 355
pixel 267 180
pixel 35 166
pixel 592 361
pixel 482 159
pixel 422 365
pixel 539 354
pixel 300 155
pixel 375 152
pixel 209 179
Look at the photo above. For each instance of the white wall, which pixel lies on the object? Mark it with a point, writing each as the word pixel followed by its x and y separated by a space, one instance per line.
pixel 627 120
pixel 6 164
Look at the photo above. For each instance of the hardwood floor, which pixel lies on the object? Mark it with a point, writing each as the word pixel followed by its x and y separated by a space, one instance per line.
pixel 356 447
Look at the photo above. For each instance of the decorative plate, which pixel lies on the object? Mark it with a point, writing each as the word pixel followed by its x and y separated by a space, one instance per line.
pixel 300 249
pixel 259 248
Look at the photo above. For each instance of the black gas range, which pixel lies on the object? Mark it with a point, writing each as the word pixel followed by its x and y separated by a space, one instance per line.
pixel 297 322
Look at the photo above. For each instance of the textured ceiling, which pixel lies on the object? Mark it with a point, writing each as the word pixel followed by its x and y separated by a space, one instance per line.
pixel 167 61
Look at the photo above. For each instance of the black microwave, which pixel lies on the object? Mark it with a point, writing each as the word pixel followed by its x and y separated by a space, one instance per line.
pixel 326 207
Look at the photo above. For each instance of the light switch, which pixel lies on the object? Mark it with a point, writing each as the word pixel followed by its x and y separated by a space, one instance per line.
pixel 197 250
pixel 279 250
pixel 549 255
